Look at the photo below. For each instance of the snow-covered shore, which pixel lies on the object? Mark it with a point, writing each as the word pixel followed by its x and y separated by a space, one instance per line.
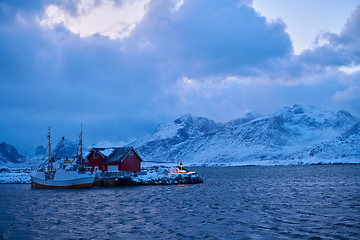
pixel 22 175
pixel 165 176
pixel 152 175
pixel 14 175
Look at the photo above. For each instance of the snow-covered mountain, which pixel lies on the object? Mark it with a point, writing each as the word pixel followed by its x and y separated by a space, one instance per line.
pixel 68 148
pixel 9 154
pixel 291 135
pixel 302 134
pixel 40 151
pixel 346 145
pixel 10 157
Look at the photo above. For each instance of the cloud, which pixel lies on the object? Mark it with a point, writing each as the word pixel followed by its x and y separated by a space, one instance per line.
pixel 212 58
pixel 342 49
pixel 221 39
pixel 115 19
pixel 349 97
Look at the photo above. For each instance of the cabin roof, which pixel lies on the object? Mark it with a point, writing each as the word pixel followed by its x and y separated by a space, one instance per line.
pixel 105 152
pixel 117 154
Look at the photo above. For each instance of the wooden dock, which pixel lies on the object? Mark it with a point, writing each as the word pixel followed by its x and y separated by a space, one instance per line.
pixel 113 179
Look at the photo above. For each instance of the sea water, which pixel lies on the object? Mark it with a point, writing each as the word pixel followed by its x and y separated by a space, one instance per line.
pixel 278 202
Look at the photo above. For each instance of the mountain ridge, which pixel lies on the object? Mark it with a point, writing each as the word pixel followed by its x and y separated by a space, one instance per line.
pixel 289 134
pixel 301 134
pixel 9 154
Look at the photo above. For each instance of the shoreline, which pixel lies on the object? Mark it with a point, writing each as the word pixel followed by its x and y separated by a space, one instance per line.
pixel 10 175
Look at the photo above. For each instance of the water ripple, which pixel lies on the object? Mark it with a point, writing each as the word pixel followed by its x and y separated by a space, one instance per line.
pixel 294 202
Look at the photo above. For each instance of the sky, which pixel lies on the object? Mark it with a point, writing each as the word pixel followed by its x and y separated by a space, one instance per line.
pixel 120 68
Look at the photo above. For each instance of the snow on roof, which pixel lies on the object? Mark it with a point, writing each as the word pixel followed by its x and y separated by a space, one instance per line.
pixel 107 151
pixel 115 154
pixel 119 154
pixel 103 151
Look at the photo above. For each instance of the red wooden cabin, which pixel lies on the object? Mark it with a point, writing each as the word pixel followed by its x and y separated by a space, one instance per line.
pixel 114 159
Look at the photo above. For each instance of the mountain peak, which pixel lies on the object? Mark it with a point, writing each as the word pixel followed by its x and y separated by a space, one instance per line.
pixel 184 119
pixel 298 109
pixel 252 115
pixel 8 153
pixel 346 114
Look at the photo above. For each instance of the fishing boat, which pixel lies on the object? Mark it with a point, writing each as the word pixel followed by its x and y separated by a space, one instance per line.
pixel 62 173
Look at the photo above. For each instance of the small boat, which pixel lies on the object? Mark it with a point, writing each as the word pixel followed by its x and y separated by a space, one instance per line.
pixel 57 173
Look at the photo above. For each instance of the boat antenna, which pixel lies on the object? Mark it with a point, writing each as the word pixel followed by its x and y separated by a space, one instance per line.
pixel 80 146
pixel 49 149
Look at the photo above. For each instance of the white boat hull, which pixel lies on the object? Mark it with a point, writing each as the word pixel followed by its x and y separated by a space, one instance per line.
pixel 63 179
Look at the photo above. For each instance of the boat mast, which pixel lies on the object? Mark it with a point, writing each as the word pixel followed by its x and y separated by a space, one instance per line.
pixel 80 147
pixel 49 150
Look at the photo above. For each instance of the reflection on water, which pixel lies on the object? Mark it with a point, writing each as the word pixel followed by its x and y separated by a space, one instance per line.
pixel 319 202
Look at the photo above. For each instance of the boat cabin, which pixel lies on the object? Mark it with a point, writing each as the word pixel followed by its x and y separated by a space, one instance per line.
pixel 114 159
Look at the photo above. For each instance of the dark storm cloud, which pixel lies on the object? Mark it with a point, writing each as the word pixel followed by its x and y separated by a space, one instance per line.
pixel 53 77
pixel 207 38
